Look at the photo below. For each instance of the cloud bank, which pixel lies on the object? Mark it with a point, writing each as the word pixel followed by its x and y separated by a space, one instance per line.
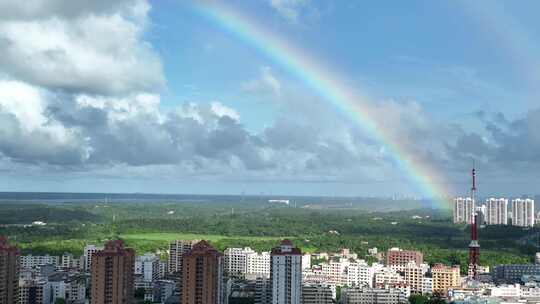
pixel 80 92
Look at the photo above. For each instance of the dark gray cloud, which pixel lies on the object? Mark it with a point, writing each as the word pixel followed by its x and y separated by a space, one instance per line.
pixel 39 146
pixel 505 143
pixel 139 136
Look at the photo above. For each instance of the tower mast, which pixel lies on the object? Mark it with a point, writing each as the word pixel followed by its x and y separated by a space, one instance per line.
pixel 474 246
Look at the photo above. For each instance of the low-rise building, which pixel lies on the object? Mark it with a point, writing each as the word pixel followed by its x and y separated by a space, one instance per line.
pixel 398 259
pixel 510 274
pixel 387 276
pixel 366 295
pixel 445 277
pixel 33 261
pixel 317 294
pixel 505 291
pixel 335 271
pixel 414 276
pixel 427 285
pixel 314 276
pixel 359 273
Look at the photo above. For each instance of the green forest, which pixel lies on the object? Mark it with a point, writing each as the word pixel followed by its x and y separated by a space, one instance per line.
pixel 150 226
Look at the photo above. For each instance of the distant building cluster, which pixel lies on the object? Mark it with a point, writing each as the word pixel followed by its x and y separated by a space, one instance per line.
pixel 495 211
pixel 193 271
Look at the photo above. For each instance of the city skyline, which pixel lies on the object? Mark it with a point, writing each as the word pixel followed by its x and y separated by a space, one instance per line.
pixel 280 97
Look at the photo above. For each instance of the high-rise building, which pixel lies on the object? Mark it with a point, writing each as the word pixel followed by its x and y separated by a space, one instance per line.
pixel 317 294
pixel 258 265
pixel 497 211
pixel 112 274
pixel 147 266
pixel 286 274
pixel 236 260
pixel 463 210
pixel 9 272
pixel 88 252
pixel 245 262
pixel 176 252
pixel 481 213
pixel 398 259
pixel 59 286
pixel 445 277
pixel 35 292
pixel 76 290
pixel 523 212
pixel 263 291
pixel 202 277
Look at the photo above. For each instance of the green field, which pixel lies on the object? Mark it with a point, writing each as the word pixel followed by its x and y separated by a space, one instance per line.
pixel 154 240
pixel 167 237
pixel 146 229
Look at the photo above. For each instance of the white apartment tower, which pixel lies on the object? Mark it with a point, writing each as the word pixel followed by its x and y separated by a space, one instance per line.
pixel 463 210
pixel 176 252
pixel 359 273
pixel 258 265
pixel 286 274
pixel 497 211
pixel 523 212
pixel 336 272
pixel 147 266
pixel 236 260
pixel 88 251
pixel 414 276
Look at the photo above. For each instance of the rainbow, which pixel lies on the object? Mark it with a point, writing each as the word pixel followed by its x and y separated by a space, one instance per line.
pixel 330 88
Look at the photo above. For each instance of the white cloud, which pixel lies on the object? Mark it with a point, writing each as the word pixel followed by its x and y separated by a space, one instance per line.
pixel 266 83
pixel 102 54
pixel 24 102
pixel 28 135
pixel 289 9
pixel 222 110
pixel 34 9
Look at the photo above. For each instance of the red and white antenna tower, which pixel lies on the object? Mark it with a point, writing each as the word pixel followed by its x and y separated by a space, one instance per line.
pixel 474 246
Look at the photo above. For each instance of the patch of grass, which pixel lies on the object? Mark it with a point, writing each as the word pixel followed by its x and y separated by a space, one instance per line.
pixel 167 237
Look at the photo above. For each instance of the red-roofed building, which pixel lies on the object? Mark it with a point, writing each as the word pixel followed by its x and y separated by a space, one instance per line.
pixel 9 272
pixel 398 259
pixel 202 275
pixel 112 274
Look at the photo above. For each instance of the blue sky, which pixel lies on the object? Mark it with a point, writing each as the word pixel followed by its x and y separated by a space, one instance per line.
pixel 139 96
pixel 432 52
